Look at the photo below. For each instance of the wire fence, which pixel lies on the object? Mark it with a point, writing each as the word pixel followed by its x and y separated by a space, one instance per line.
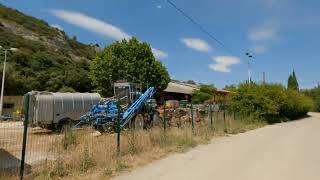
pixel 49 153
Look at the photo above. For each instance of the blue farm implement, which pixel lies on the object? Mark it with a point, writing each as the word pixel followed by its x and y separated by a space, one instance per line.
pixel 136 109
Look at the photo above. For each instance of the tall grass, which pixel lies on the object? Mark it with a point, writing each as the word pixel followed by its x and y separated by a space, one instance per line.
pixel 91 157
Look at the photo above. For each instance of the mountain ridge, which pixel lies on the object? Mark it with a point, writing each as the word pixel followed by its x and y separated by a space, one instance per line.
pixel 47 58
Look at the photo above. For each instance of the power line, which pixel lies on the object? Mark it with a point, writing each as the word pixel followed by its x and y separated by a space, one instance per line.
pixel 198 25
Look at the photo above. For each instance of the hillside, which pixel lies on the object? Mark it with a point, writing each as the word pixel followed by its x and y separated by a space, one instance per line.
pixel 47 58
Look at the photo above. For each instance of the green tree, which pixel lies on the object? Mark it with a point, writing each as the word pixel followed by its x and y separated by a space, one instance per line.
pixel 293 82
pixel 204 93
pixel 131 60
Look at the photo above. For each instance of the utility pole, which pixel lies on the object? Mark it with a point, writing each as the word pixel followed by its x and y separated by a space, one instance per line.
pixel 2 84
pixel 264 77
pixel 3 75
pixel 249 71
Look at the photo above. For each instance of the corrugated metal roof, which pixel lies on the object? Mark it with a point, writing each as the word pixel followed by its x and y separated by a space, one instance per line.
pixel 179 88
pixel 185 88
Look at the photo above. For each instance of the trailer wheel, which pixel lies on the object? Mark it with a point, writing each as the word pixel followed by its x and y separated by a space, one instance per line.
pixel 138 122
pixel 156 120
pixel 105 129
pixel 64 125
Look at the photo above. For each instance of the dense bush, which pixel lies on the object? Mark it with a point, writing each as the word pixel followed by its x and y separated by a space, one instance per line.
pixel 296 105
pixel 270 102
pixel 204 93
pixel 314 93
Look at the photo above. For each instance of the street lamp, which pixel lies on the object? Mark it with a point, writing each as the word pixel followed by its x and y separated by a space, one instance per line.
pixel 3 74
pixel 249 71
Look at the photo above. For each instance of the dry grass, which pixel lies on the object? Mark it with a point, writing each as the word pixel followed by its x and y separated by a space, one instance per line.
pixel 8 176
pixel 80 155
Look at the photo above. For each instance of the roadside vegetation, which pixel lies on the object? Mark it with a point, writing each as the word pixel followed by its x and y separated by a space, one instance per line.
pixel 314 94
pixel 272 103
pixel 84 156
pixel 204 93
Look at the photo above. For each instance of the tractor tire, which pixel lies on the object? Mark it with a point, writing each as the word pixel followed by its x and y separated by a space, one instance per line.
pixel 138 122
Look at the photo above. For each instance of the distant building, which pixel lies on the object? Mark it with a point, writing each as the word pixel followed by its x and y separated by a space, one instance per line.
pixel 183 91
pixel 178 91
pixel 12 106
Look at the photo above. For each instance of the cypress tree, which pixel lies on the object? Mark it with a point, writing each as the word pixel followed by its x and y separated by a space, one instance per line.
pixel 290 84
pixel 293 82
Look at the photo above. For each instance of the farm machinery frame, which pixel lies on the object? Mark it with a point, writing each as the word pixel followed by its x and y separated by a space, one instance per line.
pixel 136 109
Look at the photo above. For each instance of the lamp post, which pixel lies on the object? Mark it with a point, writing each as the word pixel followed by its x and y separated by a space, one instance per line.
pixel 3 75
pixel 249 71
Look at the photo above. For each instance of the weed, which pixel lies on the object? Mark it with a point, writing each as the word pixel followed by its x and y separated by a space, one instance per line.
pixel 44 175
pixel 121 166
pixel 69 138
pixel 86 161
pixel 59 168
pixel 107 172
pixel 132 147
pixel 184 143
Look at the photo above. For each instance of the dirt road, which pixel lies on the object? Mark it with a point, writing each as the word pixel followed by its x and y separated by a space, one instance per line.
pixel 287 151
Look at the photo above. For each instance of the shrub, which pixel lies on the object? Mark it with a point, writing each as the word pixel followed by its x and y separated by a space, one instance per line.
pixel 69 138
pixel 86 161
pixel 204 93
pixel 314 94
pixel 270 102
pixel 259 101
pixel 296 105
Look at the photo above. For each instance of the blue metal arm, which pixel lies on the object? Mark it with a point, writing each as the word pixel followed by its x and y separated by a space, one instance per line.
pixel 136 106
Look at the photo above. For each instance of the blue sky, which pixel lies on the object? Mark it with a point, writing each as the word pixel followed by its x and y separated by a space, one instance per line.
pixel 281 34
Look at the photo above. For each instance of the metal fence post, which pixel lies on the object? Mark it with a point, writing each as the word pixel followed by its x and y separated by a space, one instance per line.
pixel 192 119
pixel 25 133
pixel 224 120
pixel 211 120
pixel 224 116
pixel 164 118
pixel 118 127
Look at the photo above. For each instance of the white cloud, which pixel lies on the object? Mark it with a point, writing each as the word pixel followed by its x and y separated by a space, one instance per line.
pixel 196 44
pixel 259 49
pixel 262 33
pixel 91 24
pixel 159 54
pixel 98 26
pixel 57 26
pixel 223 63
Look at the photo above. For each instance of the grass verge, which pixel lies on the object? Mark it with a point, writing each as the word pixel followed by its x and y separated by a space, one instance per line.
pixel 81 155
